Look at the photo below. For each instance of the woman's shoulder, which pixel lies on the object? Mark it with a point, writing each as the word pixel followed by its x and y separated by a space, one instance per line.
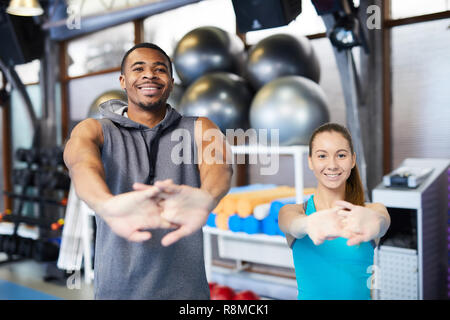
pixel 293 207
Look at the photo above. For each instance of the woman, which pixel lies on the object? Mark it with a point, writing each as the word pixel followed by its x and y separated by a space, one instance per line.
pixel 333 235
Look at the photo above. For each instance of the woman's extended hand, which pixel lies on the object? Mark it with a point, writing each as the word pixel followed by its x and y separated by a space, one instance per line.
pixel 325 225
pixel 361 223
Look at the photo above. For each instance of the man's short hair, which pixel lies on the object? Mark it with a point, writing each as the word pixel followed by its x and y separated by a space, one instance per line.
pixel 148 46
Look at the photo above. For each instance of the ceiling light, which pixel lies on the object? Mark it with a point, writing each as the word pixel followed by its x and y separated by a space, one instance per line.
pixel 26 8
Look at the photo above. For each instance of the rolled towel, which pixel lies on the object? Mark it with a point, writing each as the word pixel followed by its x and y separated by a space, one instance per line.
pixel 277 204
pixel 235 223
pixel 261 211
pixel 228 203
pixel 219 208
pixel 248 201
pixel 251 225
pixel 211 220
pixel 270 227
pixel 222 221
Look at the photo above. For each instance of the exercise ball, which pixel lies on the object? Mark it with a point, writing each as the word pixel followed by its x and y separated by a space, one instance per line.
pixel 207 49
pixel 295 105
pixel 281 55
pixel 222 97
pixel 94 112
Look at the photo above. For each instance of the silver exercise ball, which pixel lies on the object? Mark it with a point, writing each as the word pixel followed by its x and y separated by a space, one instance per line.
pixel 207 49
pixel 222 97
pixel 94 112
pixel 295 105
pixel 281 55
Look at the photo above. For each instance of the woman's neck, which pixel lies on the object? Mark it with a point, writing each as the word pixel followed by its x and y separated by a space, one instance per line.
pixel 324 198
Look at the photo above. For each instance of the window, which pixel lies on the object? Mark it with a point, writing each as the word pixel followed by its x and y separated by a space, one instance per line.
pixel 420 95
pixel 29 72
pixel 409 8
pixel 100 51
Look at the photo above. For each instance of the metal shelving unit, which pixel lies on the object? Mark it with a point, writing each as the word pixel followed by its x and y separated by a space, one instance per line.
pixel 257 248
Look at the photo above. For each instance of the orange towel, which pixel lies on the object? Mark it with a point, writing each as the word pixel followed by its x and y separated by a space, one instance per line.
pixel 246 203
pixel 229 204
pixel 219 208
pixel 222 221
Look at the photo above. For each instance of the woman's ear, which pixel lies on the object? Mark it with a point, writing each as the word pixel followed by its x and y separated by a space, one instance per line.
pixel 353 160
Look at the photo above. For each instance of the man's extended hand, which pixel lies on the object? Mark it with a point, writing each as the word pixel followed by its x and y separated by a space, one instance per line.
pixel 131 214
pixel 185 206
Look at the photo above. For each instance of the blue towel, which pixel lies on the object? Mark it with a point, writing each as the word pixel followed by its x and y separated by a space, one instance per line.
pixel 270 227
pixel 276 205
pixel 211 220
pixel 251 225
pixel 235 223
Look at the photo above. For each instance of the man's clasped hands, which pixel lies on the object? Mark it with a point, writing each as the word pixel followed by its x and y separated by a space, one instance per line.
pixel 164 204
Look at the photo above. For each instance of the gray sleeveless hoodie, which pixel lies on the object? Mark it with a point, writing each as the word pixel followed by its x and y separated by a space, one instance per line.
pixel 133 152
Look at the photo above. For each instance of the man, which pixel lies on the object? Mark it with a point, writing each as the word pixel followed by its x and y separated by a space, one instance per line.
pixel 149 210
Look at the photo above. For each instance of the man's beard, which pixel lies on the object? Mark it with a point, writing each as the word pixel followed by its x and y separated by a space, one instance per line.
pixel 153 106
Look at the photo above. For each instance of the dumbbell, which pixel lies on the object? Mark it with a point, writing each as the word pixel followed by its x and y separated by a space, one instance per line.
pixel 60 181
pixel 56 154
pixel 52 179
pixel 29 156
pixel 2 237
pixel 52 156
pixel 44 251
pixel 25 248
pixel 23 177
pixel 11 245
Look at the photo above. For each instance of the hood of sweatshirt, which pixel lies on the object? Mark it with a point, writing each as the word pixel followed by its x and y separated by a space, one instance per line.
pixel 113 110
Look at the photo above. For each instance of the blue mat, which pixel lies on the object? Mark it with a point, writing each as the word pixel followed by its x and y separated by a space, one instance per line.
pixel 12 291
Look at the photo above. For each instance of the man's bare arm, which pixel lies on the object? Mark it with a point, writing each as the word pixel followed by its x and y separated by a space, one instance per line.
pixel 215 154
pixel 83 159
pixel 130 214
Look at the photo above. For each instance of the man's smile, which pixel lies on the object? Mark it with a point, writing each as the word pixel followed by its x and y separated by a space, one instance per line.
pixel 149 88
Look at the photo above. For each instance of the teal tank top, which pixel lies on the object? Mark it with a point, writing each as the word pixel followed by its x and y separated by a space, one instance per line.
pixel 332 270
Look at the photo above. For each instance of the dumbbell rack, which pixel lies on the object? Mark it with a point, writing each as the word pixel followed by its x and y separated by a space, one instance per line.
pixel 257 248
pixel 43 177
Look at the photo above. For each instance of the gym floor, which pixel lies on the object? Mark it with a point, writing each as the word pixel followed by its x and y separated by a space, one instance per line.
pixel 24 280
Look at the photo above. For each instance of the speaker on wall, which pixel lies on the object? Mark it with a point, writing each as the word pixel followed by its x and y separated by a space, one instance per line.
pixel 252 15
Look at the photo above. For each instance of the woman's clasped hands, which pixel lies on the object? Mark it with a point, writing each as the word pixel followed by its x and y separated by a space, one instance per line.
pixel 355 223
